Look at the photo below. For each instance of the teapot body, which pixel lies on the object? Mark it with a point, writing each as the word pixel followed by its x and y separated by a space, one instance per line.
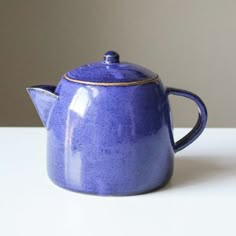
pixel 113 140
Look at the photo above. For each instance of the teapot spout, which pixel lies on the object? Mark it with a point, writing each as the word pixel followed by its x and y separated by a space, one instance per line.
pixel 43 98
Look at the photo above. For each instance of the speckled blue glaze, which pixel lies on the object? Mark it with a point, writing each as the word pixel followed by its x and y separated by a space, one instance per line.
pixel 111 140
pixel 111 70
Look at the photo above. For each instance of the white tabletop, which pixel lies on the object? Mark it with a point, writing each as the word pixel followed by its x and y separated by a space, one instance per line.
pixel 200 200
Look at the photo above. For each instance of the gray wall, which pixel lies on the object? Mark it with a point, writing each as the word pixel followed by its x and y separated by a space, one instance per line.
pixel 191 44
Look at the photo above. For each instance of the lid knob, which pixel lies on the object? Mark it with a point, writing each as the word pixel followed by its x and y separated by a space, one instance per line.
pixel 111 57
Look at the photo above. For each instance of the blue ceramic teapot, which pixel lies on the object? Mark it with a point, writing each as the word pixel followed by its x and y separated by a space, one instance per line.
pixel 109 129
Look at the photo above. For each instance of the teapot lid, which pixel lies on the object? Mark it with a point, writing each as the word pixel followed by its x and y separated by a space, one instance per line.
pixel 110 71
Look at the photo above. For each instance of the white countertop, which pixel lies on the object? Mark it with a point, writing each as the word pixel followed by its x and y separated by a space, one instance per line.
pixel 200 200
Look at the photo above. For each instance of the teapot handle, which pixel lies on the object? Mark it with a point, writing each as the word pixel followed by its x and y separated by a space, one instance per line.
pixel 201 122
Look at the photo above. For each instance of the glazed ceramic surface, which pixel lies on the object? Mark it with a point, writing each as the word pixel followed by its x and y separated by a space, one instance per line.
pixel 109 128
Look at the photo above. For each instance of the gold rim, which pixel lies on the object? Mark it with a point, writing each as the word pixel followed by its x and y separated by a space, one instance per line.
pixel 145 81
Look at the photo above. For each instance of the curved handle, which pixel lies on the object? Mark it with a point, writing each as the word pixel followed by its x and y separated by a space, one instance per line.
pixel 201 122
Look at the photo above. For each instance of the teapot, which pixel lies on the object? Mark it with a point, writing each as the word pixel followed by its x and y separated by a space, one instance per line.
pixel 109 128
